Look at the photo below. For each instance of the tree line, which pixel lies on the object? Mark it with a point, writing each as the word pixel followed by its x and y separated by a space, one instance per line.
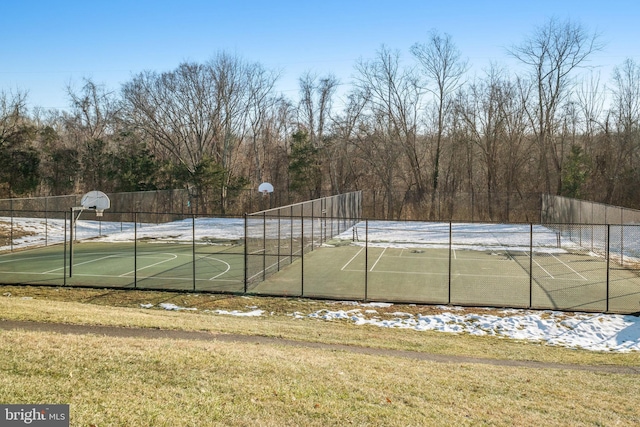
pixel 419 135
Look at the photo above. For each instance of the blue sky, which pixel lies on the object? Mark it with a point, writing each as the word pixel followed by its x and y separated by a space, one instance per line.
pixel 49 44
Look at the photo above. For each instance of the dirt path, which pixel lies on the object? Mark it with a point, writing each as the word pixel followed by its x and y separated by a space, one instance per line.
pixel 145 333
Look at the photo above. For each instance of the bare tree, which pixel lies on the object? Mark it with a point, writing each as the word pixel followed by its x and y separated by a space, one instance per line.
pixel 316 96
pixel 19 160
pixel 444 69
pixel 624 154
pixel 200 115
pixel 394 97
pixel 13 115
pixel 553 53
pixel 91 126
pixel 94 110
pixel 315 115
pixel 261 108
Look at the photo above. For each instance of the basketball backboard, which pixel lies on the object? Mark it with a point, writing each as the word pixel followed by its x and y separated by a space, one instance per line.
pixel 265 188
pixel 96 200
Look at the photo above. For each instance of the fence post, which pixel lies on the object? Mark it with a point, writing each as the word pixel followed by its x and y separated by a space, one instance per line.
pixel 530 265
pixel 11 231
pixel 608 263
pixel 46 222
pixel 366 259
pixel 302 252
pixel 64 268
pixel 246 249
pixel 193 248
pixel 264 246
pixel 279 236
pixel 70 241
pixel 450 250
pixel 135 250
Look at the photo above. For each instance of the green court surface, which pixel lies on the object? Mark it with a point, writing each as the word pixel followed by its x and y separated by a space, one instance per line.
pixel 572 281
pixel 143 265
pixel 566 281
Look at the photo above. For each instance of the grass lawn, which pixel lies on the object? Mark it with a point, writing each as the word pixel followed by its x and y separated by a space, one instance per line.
pixel 112 381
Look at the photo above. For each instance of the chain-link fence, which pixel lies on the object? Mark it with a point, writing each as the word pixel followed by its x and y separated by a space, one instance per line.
pixel 275 238
pixel 559 267
pixel 323 249
pixel 152 206
pixel 559 209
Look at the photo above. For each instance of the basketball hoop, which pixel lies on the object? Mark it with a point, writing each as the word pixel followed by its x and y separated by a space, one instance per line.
pixel 97 201
pixel 93 200
pixel 265 188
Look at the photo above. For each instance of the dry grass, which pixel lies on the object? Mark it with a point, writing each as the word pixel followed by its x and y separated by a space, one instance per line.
pixel 10 231
pixel 163 382
pixel 132 382
pixel 122 308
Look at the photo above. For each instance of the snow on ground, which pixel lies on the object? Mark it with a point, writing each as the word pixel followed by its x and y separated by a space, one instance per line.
pixel 591 331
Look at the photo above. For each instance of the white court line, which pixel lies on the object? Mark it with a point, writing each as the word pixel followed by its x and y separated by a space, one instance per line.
pixel 263 271
pixel 140 278
pixel 379 257
pixel 538 264
pixel 354 257
pixel 82 263
pixel 152 265
pixel 426 273
pixel 569 267
pixel 224 272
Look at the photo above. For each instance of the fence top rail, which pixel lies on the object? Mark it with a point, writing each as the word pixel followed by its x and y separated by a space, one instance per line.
pixel 553 196
pixel 266 211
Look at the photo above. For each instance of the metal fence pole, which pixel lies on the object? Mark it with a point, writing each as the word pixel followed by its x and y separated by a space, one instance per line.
pixel 264 246
pixel 70 243
pixel 11 232
pixel 302 252
pixel 530 265
pixel 312 223
pixel 279 236
pixel 246 251
pixel 450 250
pixel 64 268
pixel 608 262
pixel 366 259
pixel 193 248
pixel 135 250
pixel 46 222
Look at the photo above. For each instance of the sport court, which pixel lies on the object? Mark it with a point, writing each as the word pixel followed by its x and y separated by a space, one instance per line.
pixel 130 265
pixel 576 281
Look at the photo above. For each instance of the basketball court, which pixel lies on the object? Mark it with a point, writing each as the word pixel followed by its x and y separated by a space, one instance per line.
pixel 130 265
